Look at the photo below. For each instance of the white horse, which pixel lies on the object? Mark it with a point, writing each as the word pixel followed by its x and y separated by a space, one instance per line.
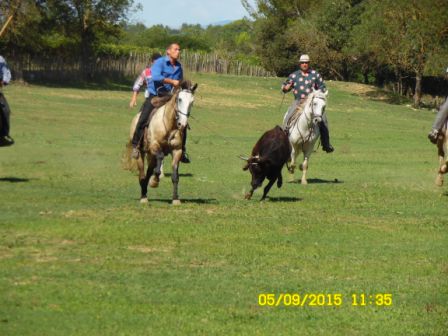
pixel 304 131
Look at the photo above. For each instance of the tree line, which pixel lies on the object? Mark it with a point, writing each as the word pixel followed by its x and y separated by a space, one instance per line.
pixel 403 42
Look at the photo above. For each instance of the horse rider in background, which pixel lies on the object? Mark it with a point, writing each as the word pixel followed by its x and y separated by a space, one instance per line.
pixel 302 82
pixel 143 79
pixel 5 77
pixel 166 75
pixel 441 118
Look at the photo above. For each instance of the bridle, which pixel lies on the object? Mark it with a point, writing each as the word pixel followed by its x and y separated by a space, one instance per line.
pixel 177 104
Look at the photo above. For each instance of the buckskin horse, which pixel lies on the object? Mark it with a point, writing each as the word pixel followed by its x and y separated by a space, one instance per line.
pixel 162 137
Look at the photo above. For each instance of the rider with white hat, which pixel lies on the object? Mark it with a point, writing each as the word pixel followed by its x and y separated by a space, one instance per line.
pixel 302 82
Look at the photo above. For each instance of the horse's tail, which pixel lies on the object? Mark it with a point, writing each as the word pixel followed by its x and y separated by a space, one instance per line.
pixel 126 160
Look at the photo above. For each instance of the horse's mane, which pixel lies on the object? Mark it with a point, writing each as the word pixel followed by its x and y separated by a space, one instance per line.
pixel 314 94
pixel 185 84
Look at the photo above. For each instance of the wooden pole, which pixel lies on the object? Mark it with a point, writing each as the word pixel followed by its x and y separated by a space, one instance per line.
pixel 8 21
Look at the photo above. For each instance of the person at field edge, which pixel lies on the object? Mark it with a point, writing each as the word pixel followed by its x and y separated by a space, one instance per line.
pixel 441 118
pixel 166 75
pixel 302 82
pixel 5 78
pixel 143 79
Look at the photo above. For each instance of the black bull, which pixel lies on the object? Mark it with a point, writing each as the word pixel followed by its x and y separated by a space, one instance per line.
pixel 269 155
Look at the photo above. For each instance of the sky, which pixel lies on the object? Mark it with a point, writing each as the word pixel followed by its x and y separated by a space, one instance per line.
pixel 175 12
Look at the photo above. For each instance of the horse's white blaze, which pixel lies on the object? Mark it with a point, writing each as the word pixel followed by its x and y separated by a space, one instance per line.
pixel 185 100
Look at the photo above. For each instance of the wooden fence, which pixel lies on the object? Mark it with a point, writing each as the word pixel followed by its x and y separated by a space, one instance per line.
pixel 30 68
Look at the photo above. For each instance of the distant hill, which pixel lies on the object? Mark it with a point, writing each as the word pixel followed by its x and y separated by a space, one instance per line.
pixel 218 23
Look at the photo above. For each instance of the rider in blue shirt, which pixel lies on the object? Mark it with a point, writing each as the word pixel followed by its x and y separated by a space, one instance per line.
pixel 166 75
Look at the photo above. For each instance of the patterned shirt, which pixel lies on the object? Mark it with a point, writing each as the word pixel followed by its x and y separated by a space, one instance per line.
pixel 144 78
pixel 304 84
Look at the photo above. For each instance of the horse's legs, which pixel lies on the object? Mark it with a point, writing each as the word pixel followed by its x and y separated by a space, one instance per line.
pixel 292 164
pixel 177 154
pixel 442 163
pixel 292 161
pixel 141 177
pixel 162 174
pixel 268 187
pixel 144 181
pixel 304 169
pixel 154 181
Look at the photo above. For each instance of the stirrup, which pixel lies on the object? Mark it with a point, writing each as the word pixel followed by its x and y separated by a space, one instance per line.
pixel 433 136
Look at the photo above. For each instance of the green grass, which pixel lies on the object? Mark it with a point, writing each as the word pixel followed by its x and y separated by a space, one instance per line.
pixel 80 256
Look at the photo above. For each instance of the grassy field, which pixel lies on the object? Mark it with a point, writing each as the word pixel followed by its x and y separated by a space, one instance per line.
pixel 80 256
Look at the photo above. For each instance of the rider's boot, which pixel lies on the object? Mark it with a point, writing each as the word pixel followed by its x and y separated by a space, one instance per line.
pixel 325 138
pixel 6 141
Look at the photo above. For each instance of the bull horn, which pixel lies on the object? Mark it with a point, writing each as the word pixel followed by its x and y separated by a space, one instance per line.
pixel 245 158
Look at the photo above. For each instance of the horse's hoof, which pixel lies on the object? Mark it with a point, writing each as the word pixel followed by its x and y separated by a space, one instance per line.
pixel 153 182
pixel 304 182
pixel 444 169
pixel 162 175
pixel 248 196
pixel 439 180
pixel 177 202
pixel 144 200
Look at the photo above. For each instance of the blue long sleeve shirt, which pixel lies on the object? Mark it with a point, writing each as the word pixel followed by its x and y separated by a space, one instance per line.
pixel 161 69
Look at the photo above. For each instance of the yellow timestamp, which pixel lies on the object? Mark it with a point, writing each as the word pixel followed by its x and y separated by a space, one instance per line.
pixel 324 299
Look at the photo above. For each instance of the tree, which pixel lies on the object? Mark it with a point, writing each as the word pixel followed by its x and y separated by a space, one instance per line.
pixel 407 35
pixel 273 18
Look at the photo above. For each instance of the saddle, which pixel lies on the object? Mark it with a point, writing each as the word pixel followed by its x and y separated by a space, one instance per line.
pixel 160 101
pixel 296 115
pixel 157 102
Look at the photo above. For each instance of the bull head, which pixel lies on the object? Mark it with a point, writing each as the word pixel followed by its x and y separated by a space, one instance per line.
pixel 252 161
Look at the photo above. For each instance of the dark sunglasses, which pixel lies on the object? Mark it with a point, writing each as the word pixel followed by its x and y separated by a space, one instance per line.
pixel 304 62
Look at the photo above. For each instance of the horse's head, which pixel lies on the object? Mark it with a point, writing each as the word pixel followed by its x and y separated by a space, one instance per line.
pixel 184 101
pixel 317 105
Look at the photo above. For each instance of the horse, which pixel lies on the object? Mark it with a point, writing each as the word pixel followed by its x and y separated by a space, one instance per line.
pixel 304 130
pixel 162 137
pixel 442 148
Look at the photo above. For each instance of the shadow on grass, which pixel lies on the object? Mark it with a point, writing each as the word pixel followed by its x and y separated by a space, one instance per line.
pixel 14 179
pixel 186 200
pixel 180 175
pixel 285 199
pixel 318 181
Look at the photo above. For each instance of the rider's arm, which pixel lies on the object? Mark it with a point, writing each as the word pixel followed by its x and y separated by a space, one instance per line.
pixel 175 82
pixel 288 84
pixel 136 88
